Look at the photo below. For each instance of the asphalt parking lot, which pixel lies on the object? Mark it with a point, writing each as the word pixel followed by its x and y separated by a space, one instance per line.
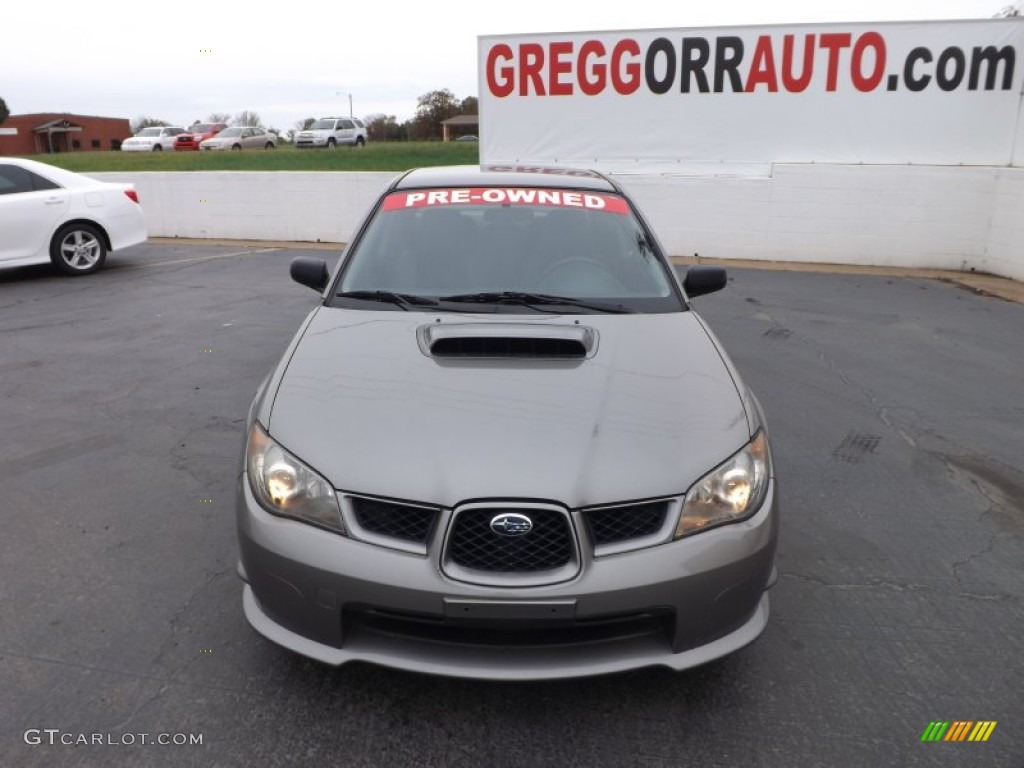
pixel 897 410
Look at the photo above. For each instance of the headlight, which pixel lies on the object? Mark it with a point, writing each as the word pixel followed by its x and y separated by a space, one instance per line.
pixel 731 492
pixel 285 486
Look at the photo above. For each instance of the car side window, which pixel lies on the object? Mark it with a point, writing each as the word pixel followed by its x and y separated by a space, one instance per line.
pixel 41 184
pixel 14 180
pixel 347 124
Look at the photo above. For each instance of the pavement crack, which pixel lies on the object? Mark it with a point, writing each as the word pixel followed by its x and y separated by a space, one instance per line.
pixel 164 680
pixel 1001 486
pixel 173 624
pixel 885 414
pixel 987 550
pixel 897 587
pixel 119 727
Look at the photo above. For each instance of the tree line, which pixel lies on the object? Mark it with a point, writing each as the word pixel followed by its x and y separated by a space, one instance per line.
pixel 431 110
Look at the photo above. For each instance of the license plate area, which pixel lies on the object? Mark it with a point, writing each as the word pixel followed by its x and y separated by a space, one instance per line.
pixel 463 609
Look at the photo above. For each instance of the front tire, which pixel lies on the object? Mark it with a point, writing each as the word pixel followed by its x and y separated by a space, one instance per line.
pixel 236 147
pixel 157 148
pixel 331 144
pixel 78 249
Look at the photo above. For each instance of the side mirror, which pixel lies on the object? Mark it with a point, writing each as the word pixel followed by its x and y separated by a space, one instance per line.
pixel 703 279
pixel 310 272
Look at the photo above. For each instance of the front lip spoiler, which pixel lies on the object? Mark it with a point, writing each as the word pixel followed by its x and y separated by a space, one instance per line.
pixel 528 663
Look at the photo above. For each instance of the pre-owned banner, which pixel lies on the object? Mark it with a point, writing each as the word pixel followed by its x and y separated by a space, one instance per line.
pixel 945 93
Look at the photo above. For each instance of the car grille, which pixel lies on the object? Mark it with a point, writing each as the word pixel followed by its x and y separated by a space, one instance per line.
pixel 615 524
pixel 399 521
pixel 548 545
pixel 357 620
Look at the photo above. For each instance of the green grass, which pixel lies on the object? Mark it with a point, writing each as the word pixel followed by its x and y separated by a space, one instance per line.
pixel 376 156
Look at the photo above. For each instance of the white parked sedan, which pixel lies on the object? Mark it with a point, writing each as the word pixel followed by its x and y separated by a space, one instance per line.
pixel 49 214
pixel 154 139
pixel 241 137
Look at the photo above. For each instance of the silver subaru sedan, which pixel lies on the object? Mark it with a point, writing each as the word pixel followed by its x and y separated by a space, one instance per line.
pixel 505 446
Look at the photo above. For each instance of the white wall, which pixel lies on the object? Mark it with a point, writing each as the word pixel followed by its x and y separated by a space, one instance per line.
pixel 1005 248
pixel 913 216
pixel 920 216
pixel 275 205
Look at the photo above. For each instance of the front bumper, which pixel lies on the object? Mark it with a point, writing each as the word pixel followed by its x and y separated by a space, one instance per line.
pixel 675 605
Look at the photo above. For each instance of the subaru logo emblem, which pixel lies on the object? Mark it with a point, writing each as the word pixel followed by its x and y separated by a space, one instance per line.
pixel 511 524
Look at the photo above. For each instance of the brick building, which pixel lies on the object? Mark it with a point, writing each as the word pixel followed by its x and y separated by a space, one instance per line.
pixel 48 132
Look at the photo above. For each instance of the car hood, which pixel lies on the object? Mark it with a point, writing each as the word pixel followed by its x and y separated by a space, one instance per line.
pixel 649 413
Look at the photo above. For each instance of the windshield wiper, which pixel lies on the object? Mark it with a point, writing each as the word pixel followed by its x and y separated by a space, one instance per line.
pixel 403 300
pixel 533 300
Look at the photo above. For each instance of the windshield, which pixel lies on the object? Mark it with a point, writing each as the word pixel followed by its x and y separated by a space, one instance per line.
pixel 149 132
pixel 505 248
pixel 202 128
pixel 230 132
pixel 322 125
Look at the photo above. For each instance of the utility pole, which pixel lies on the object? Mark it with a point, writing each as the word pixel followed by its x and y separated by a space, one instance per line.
pixel 350 112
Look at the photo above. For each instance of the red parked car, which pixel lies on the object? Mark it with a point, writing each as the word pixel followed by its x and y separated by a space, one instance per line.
pixel 197 133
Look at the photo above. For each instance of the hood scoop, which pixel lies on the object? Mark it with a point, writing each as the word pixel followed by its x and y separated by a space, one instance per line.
pixel 531 341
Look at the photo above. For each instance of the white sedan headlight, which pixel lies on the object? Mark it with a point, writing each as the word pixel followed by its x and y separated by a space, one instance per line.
pixel 731 492
pixel 285 486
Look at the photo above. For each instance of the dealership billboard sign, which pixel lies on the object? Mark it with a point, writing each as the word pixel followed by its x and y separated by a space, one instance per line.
pixel 945 93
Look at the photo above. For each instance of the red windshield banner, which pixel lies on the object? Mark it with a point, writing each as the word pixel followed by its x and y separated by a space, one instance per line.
pixel 559 198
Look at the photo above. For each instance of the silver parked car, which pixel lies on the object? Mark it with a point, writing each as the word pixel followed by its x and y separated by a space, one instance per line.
pixel 504 445
pixel 241 137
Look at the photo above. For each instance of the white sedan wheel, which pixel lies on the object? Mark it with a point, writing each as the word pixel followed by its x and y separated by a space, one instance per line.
pixel 78 249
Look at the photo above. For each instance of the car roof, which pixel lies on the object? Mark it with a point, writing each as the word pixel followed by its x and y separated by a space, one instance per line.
pixel 505 175
pixel 53 173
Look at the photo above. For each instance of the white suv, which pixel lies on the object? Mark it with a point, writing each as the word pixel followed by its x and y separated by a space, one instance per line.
pixel 331 131
pixel 154 139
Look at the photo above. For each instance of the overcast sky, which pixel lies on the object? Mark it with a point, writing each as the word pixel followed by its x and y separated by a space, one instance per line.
pixel 126 58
